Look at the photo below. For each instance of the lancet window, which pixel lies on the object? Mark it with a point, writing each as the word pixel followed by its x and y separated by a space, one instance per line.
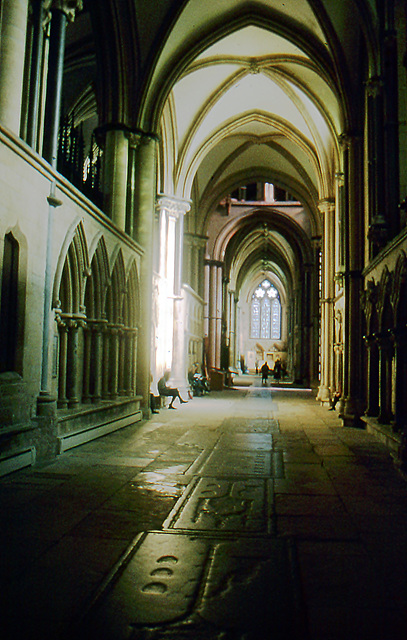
pixel 266 312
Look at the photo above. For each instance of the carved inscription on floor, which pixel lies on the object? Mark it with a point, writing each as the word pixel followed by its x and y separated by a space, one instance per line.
pixel 224 505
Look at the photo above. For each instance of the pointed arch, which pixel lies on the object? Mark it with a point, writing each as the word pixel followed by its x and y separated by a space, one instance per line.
pixel 72 271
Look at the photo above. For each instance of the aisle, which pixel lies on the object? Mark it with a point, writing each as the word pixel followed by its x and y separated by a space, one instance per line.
pixel 247 514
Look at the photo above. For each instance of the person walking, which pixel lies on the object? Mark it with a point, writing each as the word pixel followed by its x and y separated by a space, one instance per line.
pixel 172 392
pixel 264 373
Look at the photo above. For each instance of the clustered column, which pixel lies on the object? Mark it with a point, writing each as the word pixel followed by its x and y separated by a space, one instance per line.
pixel 352 387
pixel 12 50
pixel 327 207
pixel 170 331
pixel 214 303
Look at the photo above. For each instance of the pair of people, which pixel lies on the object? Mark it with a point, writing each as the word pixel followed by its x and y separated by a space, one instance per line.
pixel 170 392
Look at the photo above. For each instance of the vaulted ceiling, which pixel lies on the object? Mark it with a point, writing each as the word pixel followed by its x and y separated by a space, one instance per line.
pixel 242 91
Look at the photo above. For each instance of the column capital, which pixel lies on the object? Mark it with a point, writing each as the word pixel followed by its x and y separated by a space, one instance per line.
pixel 68 7
pixel 374 86
pixel 327 205
pixel 176 207
pixel 349 138
pixel 196 240
pixel 213 263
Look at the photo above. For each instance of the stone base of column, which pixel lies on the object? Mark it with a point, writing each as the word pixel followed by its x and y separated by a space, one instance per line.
pixel 401 461
pixel 324 394
pixel 350 414
pixel 46 404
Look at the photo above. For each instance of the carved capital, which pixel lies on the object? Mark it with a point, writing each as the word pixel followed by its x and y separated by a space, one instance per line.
pixel 374 87
pixel 68 7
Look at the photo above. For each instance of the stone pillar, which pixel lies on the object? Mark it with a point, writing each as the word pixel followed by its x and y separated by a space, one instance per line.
pixel 170 329
pixel 105 363
pixel 379 226
pixel 122 361
pixel 206 298
pixel 61 11
pixel 114 361
pixel 391 121
pixel 145 152
pixel 354 253
pixel 327 207
pixel 219 310
pixel 63 350
pixel 116 154
pixel 372 408
pixel 97 361
pixel 33 111
pixel 400 354
pixel 87 356
pixel 214 310
pixel 232 329
pixel 385 377
pixel 72 371
pixel 12 49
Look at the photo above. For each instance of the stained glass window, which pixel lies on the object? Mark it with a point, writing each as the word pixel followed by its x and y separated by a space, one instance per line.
pixel 265 312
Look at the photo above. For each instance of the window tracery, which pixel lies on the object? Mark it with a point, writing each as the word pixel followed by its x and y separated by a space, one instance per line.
pixel 265 312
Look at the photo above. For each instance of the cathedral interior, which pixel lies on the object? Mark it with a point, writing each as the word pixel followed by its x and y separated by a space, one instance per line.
pixel 192 186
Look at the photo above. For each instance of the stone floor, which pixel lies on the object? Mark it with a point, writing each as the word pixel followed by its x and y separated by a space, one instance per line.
pixel 248 514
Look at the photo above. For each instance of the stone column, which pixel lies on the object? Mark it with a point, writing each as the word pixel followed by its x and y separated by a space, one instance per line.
pixel 105 362
pixel 33 111
pixel 116 154
pixel 61 11
pixel 145 151
pixel 391 121
pixel 63 350
pixel 114 361
pixel 87 355
pixel 372 408
pixel 170 328
pixel 219 310
pixel 385 376
pixel 206 298
pixel 12 49
pixel 72 372
pixel 232 328
pixel 212 314
pixel 352 388
pixel 379 226
pixel 327 208
pixel 97 360
pixel 400 347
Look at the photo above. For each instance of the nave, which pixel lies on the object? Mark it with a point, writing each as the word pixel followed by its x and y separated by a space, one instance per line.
pixel 246 514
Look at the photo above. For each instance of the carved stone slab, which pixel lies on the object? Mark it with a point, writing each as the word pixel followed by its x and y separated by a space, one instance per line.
pixel 228 462
pixel 156 585
pixel 224 505
pixel 177 587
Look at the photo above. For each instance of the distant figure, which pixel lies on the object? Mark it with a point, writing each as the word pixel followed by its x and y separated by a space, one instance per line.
pixel 335 400
pixel 153 405
pixel 163 390
pixel 277 369
pixel 264 372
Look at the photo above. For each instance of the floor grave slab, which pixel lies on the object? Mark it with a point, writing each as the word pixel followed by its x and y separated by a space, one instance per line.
pixel 224 506
pixel 237 463
pixel 227 463
pixel 248 441
pixel 250 425
pixel 182 588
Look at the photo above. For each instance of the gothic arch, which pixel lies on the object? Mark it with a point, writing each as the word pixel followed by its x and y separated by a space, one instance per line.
pixel 116 290
pixel 12 309
pixel 131 304
pixel 98 281
pixel 72 271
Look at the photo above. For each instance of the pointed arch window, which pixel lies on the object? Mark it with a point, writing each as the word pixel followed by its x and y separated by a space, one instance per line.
pixel 265 312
